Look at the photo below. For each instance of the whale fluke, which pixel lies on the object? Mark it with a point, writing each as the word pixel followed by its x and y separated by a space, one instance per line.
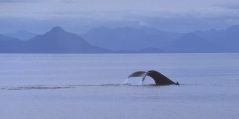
pixel 158 78
pixel 138 74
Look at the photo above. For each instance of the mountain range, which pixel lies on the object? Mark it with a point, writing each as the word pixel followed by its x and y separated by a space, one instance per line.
pixel 122 40
pixel 22 35
pixel 126 38
pixel 152 40
pixel 56 40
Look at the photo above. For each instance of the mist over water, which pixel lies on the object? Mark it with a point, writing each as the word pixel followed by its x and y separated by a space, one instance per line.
pixel 73 86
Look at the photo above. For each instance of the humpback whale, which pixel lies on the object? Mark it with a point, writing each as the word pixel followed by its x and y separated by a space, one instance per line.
pixel 158 78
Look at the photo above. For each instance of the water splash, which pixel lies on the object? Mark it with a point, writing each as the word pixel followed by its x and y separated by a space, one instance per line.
pixel 141 82
pixel 126 81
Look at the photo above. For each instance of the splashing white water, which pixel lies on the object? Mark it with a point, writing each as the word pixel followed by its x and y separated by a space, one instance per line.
pixel 141 82
pixel 126 81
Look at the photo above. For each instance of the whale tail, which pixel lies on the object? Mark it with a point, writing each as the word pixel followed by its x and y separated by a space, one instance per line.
pixel 138 74
pixel 158 78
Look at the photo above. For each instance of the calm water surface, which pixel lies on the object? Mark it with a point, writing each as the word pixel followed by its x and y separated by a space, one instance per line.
pixel 56 86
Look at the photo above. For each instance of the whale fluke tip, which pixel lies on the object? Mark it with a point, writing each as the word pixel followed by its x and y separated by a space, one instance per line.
pixel 137 74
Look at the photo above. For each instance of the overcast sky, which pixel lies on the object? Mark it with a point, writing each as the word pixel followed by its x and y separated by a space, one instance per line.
pixel 165 14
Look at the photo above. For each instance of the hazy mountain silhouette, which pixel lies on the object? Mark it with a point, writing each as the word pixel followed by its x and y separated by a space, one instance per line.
pixel 59 41
pixel 54 41
pixel 22 35
pixel 228 38
pixel 126 38
pixel 9 44
pixel 193 43
pixel 153 40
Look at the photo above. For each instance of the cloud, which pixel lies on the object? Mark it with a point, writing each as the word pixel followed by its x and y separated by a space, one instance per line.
pixel 107 9
pixel 229 6
pixel 166 13
pixel 12 1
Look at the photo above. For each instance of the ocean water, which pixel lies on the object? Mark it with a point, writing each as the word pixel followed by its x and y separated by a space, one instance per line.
pixel 90 86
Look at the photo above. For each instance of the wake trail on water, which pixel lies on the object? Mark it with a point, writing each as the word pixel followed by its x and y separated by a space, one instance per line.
pixel 45 87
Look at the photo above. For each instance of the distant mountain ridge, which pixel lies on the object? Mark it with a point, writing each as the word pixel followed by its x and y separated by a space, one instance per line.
pixel 22 35
pixel 228 38
pixel 193 43
pixel 56 40
pixel 125 40
pixel 9 44
pixel 135 39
